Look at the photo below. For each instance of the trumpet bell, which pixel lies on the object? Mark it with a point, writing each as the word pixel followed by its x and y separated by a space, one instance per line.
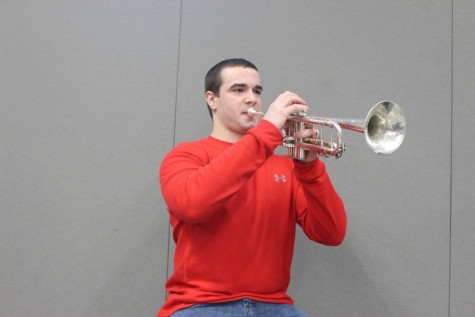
pixel 385 128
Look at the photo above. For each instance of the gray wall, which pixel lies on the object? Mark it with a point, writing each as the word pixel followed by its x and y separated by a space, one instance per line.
pixel 94 93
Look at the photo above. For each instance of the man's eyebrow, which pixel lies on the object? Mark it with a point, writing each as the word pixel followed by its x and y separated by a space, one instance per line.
pixel 239 85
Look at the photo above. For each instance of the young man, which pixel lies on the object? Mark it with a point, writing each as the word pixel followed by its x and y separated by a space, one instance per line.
pixel 234 204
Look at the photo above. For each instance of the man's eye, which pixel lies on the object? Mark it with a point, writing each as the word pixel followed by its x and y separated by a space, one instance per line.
pixel 238 90
pixel 258 92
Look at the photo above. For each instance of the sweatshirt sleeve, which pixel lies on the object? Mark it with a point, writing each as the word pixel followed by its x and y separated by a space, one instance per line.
pixel 320 210
pixel 195 186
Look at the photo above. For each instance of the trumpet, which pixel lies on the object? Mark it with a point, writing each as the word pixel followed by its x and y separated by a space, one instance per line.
pixel 384 128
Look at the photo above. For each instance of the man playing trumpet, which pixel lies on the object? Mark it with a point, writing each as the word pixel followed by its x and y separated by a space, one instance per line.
pixel 234 204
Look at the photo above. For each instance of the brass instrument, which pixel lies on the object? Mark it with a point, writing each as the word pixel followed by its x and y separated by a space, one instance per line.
pixel 384 128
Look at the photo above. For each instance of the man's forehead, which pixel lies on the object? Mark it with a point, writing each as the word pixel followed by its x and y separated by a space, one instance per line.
pixel 231 75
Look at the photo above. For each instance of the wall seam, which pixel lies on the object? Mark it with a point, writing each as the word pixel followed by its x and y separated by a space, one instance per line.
pixel 451 153
pixel 174 131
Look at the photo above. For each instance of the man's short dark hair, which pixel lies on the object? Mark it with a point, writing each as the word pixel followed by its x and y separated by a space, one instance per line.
pixel 213 80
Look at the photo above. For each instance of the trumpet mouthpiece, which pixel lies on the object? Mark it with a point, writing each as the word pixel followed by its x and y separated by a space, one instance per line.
pixel 254 112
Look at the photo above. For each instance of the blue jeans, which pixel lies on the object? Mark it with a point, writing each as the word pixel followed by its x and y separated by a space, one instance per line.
pixel 240 308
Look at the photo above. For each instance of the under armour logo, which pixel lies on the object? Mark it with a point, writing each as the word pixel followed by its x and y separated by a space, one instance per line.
pixel 278 178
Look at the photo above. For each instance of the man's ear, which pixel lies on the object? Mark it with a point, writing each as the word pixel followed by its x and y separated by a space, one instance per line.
pixel 211 100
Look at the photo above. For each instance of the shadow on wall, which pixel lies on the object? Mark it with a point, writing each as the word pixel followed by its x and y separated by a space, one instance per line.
pixel 134 284
pixel 329 281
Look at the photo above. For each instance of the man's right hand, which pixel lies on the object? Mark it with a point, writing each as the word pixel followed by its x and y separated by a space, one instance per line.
pixel 280 110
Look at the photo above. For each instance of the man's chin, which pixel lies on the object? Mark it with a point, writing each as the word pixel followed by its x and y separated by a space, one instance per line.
pixel 250 125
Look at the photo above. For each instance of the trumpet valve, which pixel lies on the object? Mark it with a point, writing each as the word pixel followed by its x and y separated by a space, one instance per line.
pixel 289 142
pixel 298 114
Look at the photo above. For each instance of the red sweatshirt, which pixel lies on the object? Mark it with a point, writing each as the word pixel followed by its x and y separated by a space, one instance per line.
pixel 234 209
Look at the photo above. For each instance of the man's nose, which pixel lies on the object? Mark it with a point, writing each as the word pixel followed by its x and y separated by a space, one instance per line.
pixel 251 97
